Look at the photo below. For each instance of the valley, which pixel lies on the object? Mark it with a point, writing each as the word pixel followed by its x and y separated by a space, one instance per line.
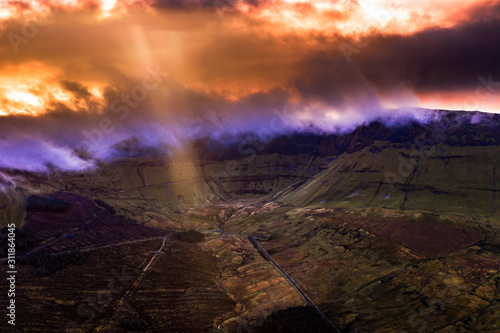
pixel 377 231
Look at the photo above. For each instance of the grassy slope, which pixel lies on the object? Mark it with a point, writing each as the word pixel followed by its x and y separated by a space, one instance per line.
pixel 453 179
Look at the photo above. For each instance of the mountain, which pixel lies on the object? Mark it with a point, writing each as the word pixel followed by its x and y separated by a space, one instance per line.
pixel 391 226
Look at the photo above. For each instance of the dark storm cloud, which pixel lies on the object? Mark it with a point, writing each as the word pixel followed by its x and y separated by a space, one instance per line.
pixel 431 61
pixel 328 78
pixel 434 60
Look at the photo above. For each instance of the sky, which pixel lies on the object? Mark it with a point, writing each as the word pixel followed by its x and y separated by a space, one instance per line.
pixel 83 75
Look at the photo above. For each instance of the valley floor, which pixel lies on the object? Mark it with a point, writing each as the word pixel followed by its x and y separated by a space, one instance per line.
pixel 367 270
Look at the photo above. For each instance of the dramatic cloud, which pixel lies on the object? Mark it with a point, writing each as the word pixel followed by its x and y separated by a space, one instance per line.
pixel 434 60
pixel 83 75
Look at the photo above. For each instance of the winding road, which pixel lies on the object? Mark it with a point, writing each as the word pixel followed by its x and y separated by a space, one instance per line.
pixel 285 275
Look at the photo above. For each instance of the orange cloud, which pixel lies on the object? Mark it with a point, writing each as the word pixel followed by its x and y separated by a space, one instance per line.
pixel 230 52
pixel 34 89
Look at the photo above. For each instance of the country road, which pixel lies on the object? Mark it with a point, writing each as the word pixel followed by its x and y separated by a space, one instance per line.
pixel 285 275
pixel 155 255
pixel 132 288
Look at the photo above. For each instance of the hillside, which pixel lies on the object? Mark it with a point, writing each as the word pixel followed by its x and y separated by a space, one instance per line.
pixel 388 227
